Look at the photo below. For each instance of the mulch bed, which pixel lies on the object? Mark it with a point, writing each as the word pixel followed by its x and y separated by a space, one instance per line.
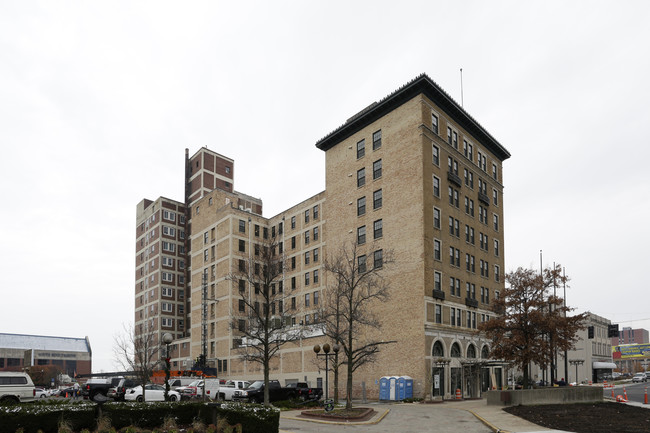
pixel 587 418
pixel 356 414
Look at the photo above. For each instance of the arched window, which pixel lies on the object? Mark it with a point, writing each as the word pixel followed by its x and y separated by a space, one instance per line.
pixel 471 351
pixel 438 350
pixel 485 352
pixel 455 350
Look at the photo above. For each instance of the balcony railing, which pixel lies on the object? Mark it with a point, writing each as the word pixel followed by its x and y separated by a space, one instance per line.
pixel 454 178
pixel 471 302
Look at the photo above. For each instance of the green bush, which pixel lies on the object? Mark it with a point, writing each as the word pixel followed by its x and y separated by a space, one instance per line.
pixel 49 416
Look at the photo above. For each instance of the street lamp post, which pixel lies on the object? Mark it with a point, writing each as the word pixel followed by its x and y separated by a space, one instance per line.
pixel 326 353
pixel 576 362
pixel 167 339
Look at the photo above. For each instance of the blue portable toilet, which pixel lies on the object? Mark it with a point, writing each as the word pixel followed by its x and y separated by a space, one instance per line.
pixel 404 387
pixel 388 388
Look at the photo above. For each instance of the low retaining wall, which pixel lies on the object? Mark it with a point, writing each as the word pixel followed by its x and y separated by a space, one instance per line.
pixel 531 397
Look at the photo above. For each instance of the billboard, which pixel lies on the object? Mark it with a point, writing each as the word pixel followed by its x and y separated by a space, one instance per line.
pixel 631 351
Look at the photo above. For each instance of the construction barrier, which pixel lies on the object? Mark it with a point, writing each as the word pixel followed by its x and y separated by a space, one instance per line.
pixel 645 397
pixel 458 395
pixel 621 399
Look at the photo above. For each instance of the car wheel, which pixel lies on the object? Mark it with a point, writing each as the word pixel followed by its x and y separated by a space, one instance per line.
pixel 222 396
pixel 172 398
pixel 139 399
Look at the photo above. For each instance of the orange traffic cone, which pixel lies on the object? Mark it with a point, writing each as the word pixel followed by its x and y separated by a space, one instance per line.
pixel 625 393
pixel 612 392
pixel 645 397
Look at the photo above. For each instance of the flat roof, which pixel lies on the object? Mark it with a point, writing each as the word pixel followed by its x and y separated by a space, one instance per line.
pixel 42 342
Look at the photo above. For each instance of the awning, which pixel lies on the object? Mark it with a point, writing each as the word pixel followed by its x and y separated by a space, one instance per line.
pixel 603 365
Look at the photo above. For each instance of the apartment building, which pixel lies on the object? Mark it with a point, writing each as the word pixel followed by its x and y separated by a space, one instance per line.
pixel 414 175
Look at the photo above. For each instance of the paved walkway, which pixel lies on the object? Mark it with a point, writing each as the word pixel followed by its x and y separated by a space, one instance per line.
pixel 470 416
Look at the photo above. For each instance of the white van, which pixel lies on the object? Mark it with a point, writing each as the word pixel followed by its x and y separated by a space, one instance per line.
pixel 16 386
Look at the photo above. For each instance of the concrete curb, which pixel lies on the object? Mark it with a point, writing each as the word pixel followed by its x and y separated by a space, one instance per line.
pixel 373 421
pixel 487 423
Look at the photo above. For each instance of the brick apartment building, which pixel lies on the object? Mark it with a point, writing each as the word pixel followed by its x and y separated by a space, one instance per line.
pixel 413 174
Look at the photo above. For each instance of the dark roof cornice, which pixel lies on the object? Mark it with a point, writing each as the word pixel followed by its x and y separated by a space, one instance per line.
pixel 420 85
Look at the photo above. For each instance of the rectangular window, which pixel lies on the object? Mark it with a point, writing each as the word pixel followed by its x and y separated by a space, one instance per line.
pixel 438 313
pixel 306 278
pixel 378 229
pixel 315 255
pixel 293 303
pixel 293 222
pixel 315 212
pixel 496 248
pixel 361 264
pixel 495 220
pixel 376 169
pixel 361 235
pixel 257 230
pixel 293 283
pixel 293 262
pixel 315 233
pixel 293 242
pixel 242 305
pixel 434 123
pixel 495 197
pixel 361 177
pixel 242 226
pixel 436 249
pixel 436 218
pixel 307 216
pixel 452 316
pixel 376 199
pixel 315 279
pixel 306 299
pixel 361 149
pixel 242 265
pixel 436 155
pixel 455 140
pixel 436 281
pixel 315 296
pixel 307 256
pixel 494 171
pixel 376 140
pixel 242 245
pixel 361 206
pixel 497 275
pixel 436 186
pixel 306 237
pixel 378 261
pixel 449 134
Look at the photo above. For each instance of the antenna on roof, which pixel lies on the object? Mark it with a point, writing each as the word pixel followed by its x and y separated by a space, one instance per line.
pixel 461 88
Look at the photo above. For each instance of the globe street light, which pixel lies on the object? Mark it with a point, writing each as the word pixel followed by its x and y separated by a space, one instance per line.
pixel 326 353
pixel 167 339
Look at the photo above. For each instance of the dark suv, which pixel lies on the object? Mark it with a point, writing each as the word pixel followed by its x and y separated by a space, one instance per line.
pixel 121 387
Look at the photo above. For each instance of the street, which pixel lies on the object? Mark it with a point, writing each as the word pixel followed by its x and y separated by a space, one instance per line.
pixel 405 418
pixel 635 391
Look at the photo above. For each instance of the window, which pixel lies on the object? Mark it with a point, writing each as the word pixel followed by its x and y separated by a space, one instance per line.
pixel 495 221
pixel 361 206
pixel 315 297
pixel 205 255
pixel 241 325
pixel 293 283
pixel 376 169
pixel 168 277
pixel 361 149
pixel 293 242
pixel 315 279
pixel 496 248
pixel 257 230
pixel 361 264
pixel 497 273
pixel 455 140
pixel 242 226
pixel 361 177
pixel 436 281
pixel 436 218
pixel 452 165
pixel 293 222
pixel 494 171
pixel 242 246
pixel 436 186
pixel 306 278
pixel 306 237
pixel 307 216
pixel 168 246
pixel 314 212
pixel 293 262
pixel 376 140
pixel 495 197
pixel 307 256
pixel 378 259
pixel 293 303
pixel 169 216
pixel 167 307
pixel 436 155
pixel 454 227
pixel 315 233
pixel 436 249
pixel 376 199
pixel 469 178
pixel 361 235
pixel 449 134
pixel 242 265
pixel 438 313
pixel 242 305
pixel 306 299
pixel 378 229
pixel 434 123
pixel 169 231
pixel 452 316
pixel 453 197
pixel 315 255
pixel 167 323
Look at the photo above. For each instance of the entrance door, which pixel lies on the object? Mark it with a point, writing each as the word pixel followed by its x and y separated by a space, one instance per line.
pixel 438 375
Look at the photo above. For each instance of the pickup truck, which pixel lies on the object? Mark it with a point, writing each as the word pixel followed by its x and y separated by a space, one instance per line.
pixel 255 392
pixel 99 385
pixel 304 392
pixel 227 390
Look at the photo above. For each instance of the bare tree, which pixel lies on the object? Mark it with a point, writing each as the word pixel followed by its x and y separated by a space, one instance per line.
pixel 532 322
pixel 261 319
pixel 138 352
pixel 347 314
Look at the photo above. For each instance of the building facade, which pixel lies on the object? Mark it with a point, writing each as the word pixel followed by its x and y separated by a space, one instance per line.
pixel 71 356
pixel 413 175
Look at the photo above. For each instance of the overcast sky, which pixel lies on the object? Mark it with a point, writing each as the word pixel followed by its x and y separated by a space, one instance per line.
pixel 98 101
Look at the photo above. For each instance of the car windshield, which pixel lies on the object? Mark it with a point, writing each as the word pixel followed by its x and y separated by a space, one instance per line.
pixel 257 384
pixel 195 383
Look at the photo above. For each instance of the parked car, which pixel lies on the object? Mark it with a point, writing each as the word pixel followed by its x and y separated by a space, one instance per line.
pixel 227 390
pixel 117 392
pixel 16 387
pixel 304 392
pixel 152 392
pixel 647 375
pixel 255 392
pixel 639 377
pixel 40 393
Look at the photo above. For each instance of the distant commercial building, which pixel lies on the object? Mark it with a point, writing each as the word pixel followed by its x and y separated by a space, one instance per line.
pixel 631 350
pixel 70 355
pixel 413 174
